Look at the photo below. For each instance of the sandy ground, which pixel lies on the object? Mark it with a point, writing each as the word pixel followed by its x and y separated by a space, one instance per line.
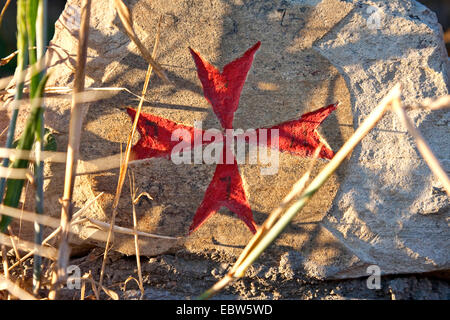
pixel 183 275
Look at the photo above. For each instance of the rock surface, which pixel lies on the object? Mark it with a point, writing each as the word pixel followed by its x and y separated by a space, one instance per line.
pixel 390 210
pixel 383 207
pixel 270 96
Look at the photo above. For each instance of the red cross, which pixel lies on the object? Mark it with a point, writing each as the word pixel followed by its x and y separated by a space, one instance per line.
pixel 223 90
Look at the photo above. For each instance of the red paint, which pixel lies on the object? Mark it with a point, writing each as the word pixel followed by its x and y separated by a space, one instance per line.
pixel 300 137
pixel 225 190
pixel 156 134
pixel 223 91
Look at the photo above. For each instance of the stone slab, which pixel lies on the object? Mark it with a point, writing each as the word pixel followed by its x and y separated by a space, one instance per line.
pixel 383 207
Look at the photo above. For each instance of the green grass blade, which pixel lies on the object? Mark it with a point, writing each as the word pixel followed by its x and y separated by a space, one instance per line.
pixel 14 186
pixel 41 29
pixel 22 61
pixel 32 9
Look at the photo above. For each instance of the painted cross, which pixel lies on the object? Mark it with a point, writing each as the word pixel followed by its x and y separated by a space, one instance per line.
pixel 223 90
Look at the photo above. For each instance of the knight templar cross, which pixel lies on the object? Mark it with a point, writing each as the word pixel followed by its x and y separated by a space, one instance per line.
pixel 223 90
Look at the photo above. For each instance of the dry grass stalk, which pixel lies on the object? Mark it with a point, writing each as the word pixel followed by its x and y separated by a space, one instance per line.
pixel 87 167
pixel 54 223
pixel 143 194
pixel 5 267
pixel 50 156
pixel 29 254
pixel 7 59
pixel 124 166
pixel 440 103
pixel 84 167
pixel 14 289
pixel 127 21
pixel 4 10
pixel 95 287
pixel 297 188
pixel 75 127
pixel 47 252
pixel 435 104
pixel 367 125
pixel 56 232
pixel 238 270
pixel 13 173
pixel 422 145
pixel 83 290
pixel 89 95
pixel 130 278
pixel 112 294
pixel 29 216
pixel 123 230
pixel 16 252
pixel 105 164
pixel 88 277
pixel 136 237
pixel 4 131
pixel 5 262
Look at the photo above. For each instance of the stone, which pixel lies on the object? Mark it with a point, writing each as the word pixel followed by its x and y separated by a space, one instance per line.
pixel 386 211
pixel 266 103
pixel 263 103
pixel 382 207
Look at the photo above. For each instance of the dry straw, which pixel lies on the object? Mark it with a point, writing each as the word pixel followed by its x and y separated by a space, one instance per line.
pixel 75 126
pixel 14 289
pixel 126 20
pixel 134 200
pixel 271 229
pixel 47 252
pixel 57 230
pixel 2 13
pixel 88 95
pixel 255 247
pixel 435 104
pixel 422 145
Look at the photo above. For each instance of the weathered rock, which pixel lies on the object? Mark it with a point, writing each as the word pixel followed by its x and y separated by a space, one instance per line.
pixel 383 207
pixel 270 96
pixel 390 210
